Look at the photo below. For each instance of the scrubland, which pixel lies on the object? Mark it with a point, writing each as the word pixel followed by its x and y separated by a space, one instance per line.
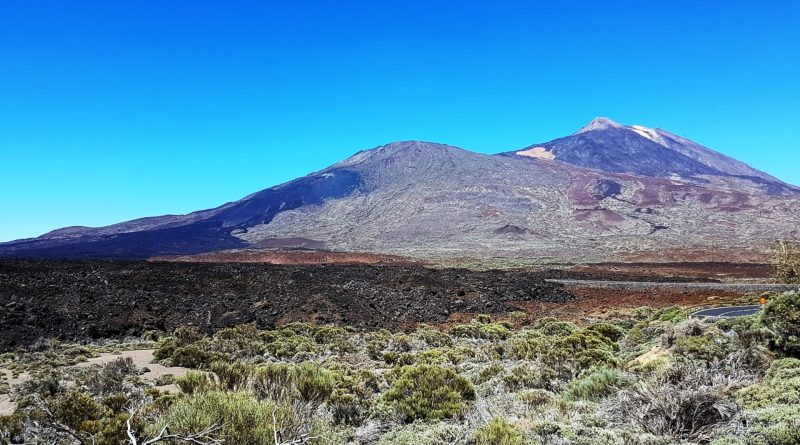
pixel 639 376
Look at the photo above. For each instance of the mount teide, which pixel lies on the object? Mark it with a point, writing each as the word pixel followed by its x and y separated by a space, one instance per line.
pixel 607 192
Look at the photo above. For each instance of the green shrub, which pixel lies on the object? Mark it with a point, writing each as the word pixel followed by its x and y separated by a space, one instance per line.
pixel 498 432
pixel 429 392
pixel 377 342
pixel 596 385
pixel 524 376
pixel 334 338
pixel 487 331
pixel 186 335
pixel 233 376
pixel 536 398
pixel 781 316
pixel 701 348
pixel 489 372
pixel 434 338
pixel 73 408
pixel 164 380
pixel 552 327
pixel 608 330
pixel 190 357
pixel 671 314
pixel 422 433
pixel 780 386
pixel 774 425
pixel 296 346
pixel 308 381
pixel 564 357
pixel 107 431
pixel 245 419
pixel 196 381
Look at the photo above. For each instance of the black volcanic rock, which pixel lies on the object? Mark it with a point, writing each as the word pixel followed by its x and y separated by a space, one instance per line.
pixel 81 300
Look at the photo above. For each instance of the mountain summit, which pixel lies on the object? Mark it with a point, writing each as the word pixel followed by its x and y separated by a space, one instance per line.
pixel 608 146
pixel 604 192
pixel 599 123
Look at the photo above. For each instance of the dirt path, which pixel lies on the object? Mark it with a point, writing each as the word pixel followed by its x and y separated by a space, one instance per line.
pixel 142 358
pixel 6 405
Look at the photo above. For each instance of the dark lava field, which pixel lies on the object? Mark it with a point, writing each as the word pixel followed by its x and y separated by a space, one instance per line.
pixel 81 300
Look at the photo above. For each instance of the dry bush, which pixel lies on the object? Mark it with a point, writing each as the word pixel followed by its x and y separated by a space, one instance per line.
pixel 786 261
pixel 685 402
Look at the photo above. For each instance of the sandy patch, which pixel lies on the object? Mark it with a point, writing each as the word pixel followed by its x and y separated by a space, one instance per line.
pixel 538 153
pixel 142 358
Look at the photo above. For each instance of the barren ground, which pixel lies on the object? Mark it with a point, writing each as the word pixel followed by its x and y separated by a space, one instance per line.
pixel 84 300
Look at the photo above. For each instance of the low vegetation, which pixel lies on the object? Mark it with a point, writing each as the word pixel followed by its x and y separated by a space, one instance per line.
pixel 640 377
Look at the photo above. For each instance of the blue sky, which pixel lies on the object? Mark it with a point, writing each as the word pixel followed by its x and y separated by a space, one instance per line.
pixel 111 110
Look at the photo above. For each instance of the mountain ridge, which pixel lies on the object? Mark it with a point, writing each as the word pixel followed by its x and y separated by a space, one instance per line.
pixel 605 190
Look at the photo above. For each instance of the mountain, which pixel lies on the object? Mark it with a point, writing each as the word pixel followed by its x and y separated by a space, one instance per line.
pixel 607 191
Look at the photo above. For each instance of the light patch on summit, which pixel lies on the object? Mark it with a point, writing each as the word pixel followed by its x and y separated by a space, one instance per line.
pixel 538 153
pixel 649 133
pixel 676 179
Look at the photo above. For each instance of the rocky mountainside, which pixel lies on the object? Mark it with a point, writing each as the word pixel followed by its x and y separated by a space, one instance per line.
pixel 605 192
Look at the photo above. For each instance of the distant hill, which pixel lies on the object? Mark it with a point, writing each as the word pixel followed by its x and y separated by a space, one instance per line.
pixel 605 192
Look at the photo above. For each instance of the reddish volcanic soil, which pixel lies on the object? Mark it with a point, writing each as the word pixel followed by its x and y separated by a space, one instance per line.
pixel 593 304
pixel 751 255
pixel 291 257
pixel 690 270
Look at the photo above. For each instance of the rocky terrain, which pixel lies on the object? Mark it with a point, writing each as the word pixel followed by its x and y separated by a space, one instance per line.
pixel 101 299
pixel 281 256
pixel 605 193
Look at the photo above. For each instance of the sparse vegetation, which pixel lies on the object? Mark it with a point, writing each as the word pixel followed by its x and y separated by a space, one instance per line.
pixel 786 261
pixel 644 376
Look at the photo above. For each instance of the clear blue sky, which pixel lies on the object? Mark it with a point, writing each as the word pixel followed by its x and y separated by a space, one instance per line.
pixel 112 109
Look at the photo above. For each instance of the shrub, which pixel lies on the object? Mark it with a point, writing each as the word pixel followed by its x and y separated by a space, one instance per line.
pixel 536 397
pixel 498 432
pixel 524 376
pixel 278 381
pixel 685 402
pixel 489 372
pixel 164 380
pixel 608 330
pixel 781 316
pixel 552 327
pixel 294 346
pixel 567 356
pixel 596 385
pixel 377 342
pixel 73 408
pixel 186 335
pixel 487 331
pixel 245 419
pixel 190 357
pixel 780 386
pixel 196 381
pixel 700 348
pixel 232 376
pixel 433 337
pixel 671 314
pixel 335 338
pixel 429 392
pixel 774 425
pixel 786 261
pixel 419 433
pixel 109 378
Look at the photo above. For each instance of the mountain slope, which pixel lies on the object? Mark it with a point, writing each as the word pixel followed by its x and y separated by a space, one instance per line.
pixel 611 147
pixel 601 193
